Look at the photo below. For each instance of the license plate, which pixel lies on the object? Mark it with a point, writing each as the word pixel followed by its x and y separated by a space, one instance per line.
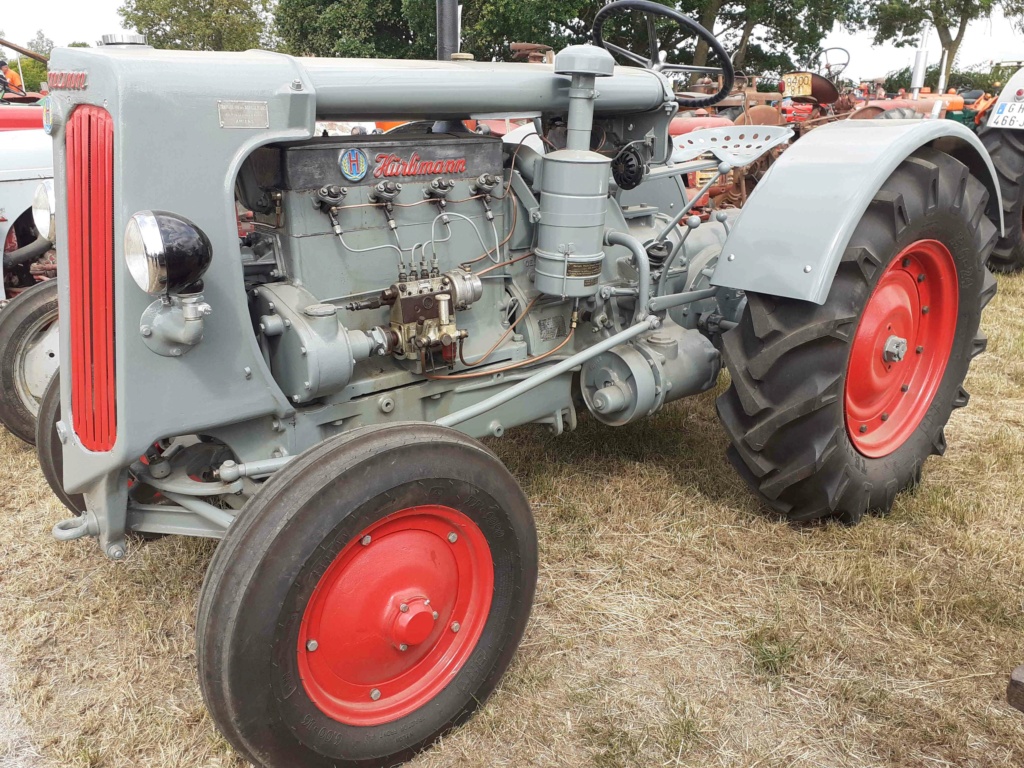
pixel 797 83
pixel 1007 114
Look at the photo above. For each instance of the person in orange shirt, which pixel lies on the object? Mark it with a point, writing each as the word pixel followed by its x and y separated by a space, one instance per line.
pixel 13 78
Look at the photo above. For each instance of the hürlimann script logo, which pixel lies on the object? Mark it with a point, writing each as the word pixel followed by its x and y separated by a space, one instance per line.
pixel 390 165
pixel 67 81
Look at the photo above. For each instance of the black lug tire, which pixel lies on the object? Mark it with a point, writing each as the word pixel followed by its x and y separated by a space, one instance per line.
pixel 784 411
pixel 48 447
pixel 19 317
pixel 1007 151
pixel 263 572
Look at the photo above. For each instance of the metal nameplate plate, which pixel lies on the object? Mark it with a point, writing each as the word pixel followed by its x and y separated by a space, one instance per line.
pixel 243 114
pixel 367 160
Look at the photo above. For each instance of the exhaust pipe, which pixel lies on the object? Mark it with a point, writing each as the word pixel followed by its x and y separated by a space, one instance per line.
pixel 28 253
pixel 447 29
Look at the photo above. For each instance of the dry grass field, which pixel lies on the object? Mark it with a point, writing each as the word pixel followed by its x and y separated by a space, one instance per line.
pixel 675 623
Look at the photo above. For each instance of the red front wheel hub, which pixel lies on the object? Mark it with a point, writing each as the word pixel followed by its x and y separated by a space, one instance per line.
pixel 901 348
pixel 396 615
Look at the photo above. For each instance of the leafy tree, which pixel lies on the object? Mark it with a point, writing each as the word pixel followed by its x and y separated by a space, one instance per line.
pixel 357 28
pixel 773 34
pixel 40 44
pixel 79 45
pixel 34 73
pixel 768 34
pixel 977 77
pixel 201 25
pixel 488 28
pixel 902 21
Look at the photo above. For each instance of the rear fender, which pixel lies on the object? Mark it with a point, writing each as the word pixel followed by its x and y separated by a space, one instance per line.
pixel 794 228
pixel 1008 95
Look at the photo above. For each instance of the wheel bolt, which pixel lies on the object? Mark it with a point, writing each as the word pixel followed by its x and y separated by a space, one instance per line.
pixel 312 645
pixel 920 350
pixel 894 350
pixel 403 608
pixel 403 647
pixel 906 262
pixel 456 626
pixel 374 694
pixel 863 428
pixel 365 540
pixel 453 537
pixel 435 614
pixel 920 278
pixel 905 388
pixel 885 417
pixel 924 310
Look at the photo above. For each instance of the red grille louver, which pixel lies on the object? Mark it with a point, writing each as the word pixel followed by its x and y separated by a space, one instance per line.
pixel 90 183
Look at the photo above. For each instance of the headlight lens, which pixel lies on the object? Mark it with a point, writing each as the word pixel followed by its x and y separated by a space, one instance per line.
pixel 43 210
pixel 166 253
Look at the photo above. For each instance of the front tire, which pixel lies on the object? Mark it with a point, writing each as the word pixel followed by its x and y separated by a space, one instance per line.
pixel 367 599
pixel 827 416
pixel 1007 151
pixel 49 450
pixel 28 356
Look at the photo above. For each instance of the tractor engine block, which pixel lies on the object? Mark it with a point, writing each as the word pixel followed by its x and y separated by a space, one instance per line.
pixel 373 242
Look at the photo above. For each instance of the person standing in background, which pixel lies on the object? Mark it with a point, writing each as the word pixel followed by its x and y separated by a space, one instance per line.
pixel 13 78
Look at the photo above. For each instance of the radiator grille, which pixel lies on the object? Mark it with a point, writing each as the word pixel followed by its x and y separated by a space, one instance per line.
pixel 90 216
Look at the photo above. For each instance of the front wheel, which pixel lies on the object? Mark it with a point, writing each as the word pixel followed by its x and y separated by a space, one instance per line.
pixel 833 409
pixel 28 356
pixel 49 450
pixel 367 599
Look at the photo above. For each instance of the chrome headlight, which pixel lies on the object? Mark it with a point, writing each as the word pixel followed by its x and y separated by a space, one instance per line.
pixel 43 210
pixel 166 253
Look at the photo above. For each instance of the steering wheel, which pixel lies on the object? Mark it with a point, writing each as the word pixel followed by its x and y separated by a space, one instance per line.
pixel 739 76
pixel 657 60
pixel 833 65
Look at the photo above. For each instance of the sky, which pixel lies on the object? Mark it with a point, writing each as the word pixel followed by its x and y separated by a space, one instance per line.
pixel 66 21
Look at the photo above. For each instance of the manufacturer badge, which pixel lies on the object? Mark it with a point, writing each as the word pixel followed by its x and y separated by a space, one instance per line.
pixel 67 81
pixel 47 114
pixel 353 164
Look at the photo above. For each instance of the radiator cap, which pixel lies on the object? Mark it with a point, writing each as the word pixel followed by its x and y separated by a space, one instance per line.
pixel 124 38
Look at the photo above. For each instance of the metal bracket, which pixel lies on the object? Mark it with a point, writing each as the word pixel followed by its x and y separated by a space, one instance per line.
pixel 171 326
pixel 525 194
pixel 179 482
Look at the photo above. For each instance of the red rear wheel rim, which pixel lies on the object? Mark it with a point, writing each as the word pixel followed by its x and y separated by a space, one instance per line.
pixel 888 392
pixel 396 615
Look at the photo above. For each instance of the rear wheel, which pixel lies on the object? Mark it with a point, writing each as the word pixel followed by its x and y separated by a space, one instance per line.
pixel 367 599
pixel 28 356
pixel 833 409
pixel 1007 151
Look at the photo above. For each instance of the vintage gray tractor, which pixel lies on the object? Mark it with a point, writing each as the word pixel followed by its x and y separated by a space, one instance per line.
pixel 1003 137
pixel 312 394
pixel 28 294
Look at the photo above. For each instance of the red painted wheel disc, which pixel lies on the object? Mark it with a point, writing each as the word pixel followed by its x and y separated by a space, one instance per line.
pixel 888 389
pixel 396 615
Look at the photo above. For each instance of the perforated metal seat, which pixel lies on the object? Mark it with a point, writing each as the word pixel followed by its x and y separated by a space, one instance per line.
pixel 737 145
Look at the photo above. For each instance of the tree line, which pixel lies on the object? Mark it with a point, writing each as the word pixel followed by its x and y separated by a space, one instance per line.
pixel 765 35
